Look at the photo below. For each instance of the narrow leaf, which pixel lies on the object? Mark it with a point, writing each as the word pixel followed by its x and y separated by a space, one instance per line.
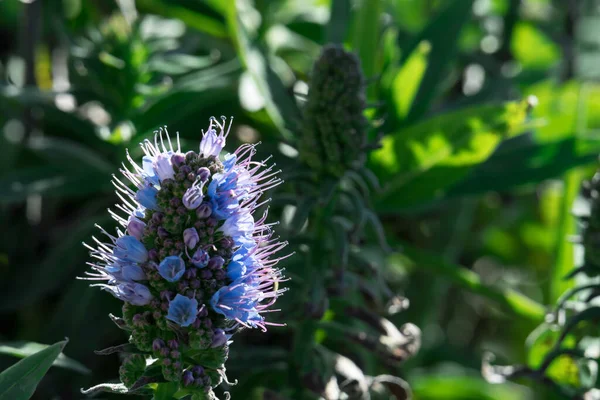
pixel 24 349
pixel 19 381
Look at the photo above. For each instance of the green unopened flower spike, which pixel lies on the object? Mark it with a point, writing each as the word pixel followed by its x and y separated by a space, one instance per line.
pixel 334 136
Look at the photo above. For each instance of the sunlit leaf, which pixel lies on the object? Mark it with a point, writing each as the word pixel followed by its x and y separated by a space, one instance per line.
pixel 419 163
pixel 441 37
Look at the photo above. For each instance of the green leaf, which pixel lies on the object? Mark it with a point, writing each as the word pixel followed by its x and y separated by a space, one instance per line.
pixel 211 358
pixel 541 342
pixel 419 163
pixel 338 22
pixel 24 349
pixel 198 21
pixel 462 387
pixel 527 37
pixel 165 391
pixel 522 161
pixel 280 105
pixel 441 37
pixel 19 381
pixel 405 84
pixel 367 33
pixel 567 226
pixel 49 181
pixel 510 300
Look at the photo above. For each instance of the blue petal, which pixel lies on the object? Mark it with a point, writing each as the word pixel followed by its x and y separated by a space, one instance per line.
pixel 183 310
pixel 171 268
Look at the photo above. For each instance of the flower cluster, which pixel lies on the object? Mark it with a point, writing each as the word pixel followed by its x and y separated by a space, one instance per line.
pixel 192 263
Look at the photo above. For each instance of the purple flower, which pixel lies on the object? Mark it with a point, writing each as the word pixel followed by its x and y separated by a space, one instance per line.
pixel 200 258
pixel 183 310
pixel 171 268
pixel 134 293
pixel 163 168
pixel 130 249
pixel 190 237
pixel 212 143
pixel 192 198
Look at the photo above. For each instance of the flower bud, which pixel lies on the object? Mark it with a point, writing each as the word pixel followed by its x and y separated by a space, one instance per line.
pixel 188 378
pixel 216 262
pixel 219 338
pixel 177 160
pixel 204 211
pixel 162 233
pixel 200 258
pixel 135 228
pixel 153 255
pixel 190 237
pixel 198 371
pixel 203 173
pixel 157 344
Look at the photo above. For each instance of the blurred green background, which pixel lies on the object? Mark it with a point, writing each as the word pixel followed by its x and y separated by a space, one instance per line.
pixel 477 190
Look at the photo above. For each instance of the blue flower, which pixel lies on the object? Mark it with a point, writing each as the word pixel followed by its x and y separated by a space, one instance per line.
pixel 172 268
pixel 223 198
pixel 229 161
pixel 148 170
pixel 242 263
pixel 134 293
pixel 133 272
pixel 146 196
pixel 237 302
pixel 183 310
pixel 240 227
pixel 130 249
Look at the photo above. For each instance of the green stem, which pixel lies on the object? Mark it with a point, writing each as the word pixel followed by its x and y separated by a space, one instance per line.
pixel 511 300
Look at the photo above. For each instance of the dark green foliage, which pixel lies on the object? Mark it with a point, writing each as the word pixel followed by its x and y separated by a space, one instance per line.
pixel 463 210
